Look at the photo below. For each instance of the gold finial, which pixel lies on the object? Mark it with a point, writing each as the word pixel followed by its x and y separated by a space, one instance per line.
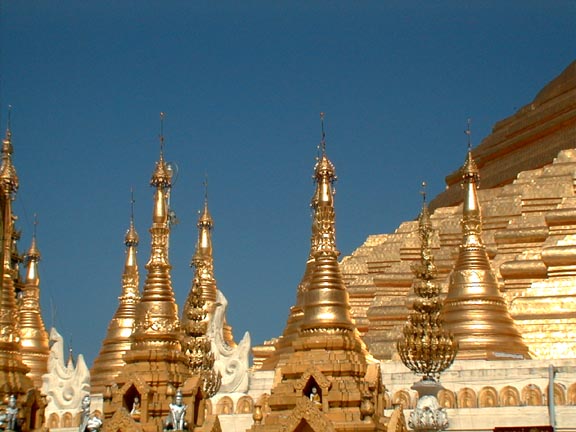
pixel 131 238
pixel 33 251
pixel 470 171
pixel 162 176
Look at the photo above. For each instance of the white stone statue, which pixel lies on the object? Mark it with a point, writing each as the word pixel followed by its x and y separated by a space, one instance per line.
pixel 65 384
pixel 9 417
pixel 231 362
pixel 88 421
pixel 176 416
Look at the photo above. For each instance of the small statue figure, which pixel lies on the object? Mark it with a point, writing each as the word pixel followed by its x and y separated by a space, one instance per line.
pixel 9 418
pixel 88 422
pixel 135 411
pixel 315 397
pixel 176 417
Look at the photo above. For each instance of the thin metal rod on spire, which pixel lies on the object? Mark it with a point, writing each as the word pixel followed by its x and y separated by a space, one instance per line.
pixel 35 225
pixel 423 192
pixel 468 132
pixel 9 122
pixel 323 141
pixel 161 132
pixel 205 183
pixel 132 201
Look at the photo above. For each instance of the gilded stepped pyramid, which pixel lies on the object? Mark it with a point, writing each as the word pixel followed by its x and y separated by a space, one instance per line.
pixel 528 202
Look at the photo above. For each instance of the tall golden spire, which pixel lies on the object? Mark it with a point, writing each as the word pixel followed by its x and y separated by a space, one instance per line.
pixel 203 259
pixel 12 369
pixel 203 263
pixel 326 304
pixel 474 310
pixel 34 342
pixel 157 324
pixel 155 364
pixel 110 360
pixel 283 346
pixel 326 379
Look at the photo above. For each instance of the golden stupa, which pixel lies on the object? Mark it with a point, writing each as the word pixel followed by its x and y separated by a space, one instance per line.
pixel 474 310
pixel 326 381
pixel 34 338
pixel 157 370
pixel 110 360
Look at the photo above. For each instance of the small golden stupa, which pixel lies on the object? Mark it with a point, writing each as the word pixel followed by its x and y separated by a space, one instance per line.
pixel 34 338
pixel 117 342
pixel 474 310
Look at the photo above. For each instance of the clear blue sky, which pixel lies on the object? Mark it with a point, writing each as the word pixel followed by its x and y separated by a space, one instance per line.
pixel 242 87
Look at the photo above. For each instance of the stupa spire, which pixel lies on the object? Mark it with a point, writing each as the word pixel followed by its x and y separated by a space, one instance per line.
pixel 326 304
pixel 155 360
pixel 475 311
pixel 157 313
pixel 12 369
pixel 283 346
pixel 327 379
pixel 34 341
pixel 110 360
pixel 203 259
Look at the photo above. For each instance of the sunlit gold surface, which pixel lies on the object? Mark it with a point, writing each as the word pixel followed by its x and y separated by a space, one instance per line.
pixel 474 310
pixel 425 347
pixel 117 342
pixel 12 369
pixel 203 259
pixel 528 205
pixel 199 306
pixel 34 338
pixel 325 299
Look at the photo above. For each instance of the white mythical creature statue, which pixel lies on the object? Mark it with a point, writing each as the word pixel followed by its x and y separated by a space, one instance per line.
pixel 231 362
pixel 65 384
